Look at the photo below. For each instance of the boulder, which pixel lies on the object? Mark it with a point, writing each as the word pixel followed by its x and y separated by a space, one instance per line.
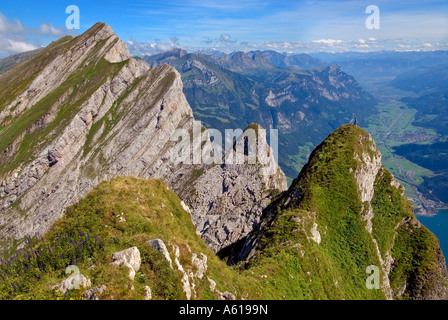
pixel 200 264
pixel 159 245
pixel 148 295
pixel 94 293
pixel 129 258
pixel 73 282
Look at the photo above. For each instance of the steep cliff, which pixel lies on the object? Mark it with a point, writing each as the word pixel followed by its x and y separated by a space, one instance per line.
pixel 303 97
pixel 343 214
pixel 83 111
pixel 78 106
pixel 227 199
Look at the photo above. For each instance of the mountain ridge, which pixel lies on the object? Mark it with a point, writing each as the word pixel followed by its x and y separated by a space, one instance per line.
pixel 345 191
pixel 322 256
pixel 80 120
pixel 305 105
pixel 66 130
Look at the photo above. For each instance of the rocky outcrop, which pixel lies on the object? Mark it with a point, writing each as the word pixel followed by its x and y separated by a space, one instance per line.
pixel 189 289
pixel 121 120
pixel 130 258
pixel 276 100
pixel 148 294
pixel 160 246
pixel 227 200
pixel 94 293
pixel 73 282
pixel 221 296
pixel 200 263
pixel 189 277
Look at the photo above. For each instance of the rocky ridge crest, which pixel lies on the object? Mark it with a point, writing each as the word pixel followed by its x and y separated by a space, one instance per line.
pixel 103 114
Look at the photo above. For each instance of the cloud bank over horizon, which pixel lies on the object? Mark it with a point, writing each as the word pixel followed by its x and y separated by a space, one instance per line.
pixel 290 47
pixel 305 26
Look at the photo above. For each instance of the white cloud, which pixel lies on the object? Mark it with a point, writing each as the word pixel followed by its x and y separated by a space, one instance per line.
pixel 49 29
pixel 7 26
pixel 142 49
pixel 16 28
pixel 15 37
pixel 226 39
pixel 19 46
pixel 329 42
pixel 322 45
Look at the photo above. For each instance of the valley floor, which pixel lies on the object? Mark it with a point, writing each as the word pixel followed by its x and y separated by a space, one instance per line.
pixel 392 128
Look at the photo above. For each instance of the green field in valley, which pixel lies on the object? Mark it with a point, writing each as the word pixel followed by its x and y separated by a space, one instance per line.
pixel 393 127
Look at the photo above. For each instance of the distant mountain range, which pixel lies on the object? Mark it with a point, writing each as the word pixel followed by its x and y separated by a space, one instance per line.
pixel 89 183
pixel 303 97
pixel 7 62
pixel 383 65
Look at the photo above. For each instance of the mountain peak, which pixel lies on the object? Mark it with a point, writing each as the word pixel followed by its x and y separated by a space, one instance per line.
pixel 349 150
pixel 345 205
pixel 115 49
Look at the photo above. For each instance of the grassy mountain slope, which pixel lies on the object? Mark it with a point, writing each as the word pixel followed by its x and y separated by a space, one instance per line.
pixel 323 204
pixel 151 211
pixel 313 241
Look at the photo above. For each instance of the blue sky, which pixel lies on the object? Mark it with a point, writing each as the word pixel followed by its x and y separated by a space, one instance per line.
pixel 230 25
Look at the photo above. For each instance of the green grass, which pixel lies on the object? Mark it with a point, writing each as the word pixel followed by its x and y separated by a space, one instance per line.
pixel 387 213
pixel 415 251
pixel 336 268
pixel 407 172
pixel 337 265
pixel 151 211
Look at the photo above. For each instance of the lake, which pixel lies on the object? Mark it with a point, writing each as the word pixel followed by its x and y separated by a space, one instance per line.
pixel 438 224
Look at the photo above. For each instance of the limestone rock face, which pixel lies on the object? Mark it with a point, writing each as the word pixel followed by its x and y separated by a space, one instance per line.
pixel 369 163
pixel 103 115
pixel 227 200
pixel 61 169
